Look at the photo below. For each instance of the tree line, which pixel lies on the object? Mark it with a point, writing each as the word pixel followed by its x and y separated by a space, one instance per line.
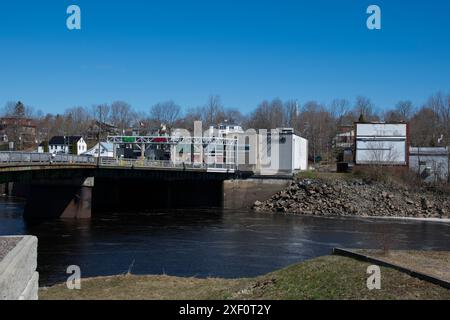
pixel 317 122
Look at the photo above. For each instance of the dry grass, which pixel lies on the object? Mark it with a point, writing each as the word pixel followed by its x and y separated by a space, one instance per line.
pixel 329 277
pixel 433 263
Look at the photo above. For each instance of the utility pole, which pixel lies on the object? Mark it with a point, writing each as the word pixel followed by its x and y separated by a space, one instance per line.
pixel 98 143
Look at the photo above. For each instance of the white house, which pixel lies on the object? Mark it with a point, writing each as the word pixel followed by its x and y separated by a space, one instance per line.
pixel 106 150
pixel 67 144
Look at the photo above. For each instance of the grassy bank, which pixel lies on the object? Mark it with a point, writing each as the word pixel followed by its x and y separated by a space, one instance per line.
pixel 328 277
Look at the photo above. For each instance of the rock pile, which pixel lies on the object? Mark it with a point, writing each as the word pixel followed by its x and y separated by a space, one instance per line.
pixel 355 197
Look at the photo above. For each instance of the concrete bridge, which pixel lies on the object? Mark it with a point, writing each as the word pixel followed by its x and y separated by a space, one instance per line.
pixel 74 186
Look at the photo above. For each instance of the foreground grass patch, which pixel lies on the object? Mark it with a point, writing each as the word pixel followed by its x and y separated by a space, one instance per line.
pixel 329 277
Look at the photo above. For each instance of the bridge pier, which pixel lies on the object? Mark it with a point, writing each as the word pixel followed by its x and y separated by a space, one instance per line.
pixel 60 199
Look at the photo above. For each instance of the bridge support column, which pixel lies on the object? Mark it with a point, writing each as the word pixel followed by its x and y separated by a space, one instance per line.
pixel 63 198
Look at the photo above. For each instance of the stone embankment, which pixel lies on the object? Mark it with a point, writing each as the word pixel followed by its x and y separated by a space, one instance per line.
pixel 355 197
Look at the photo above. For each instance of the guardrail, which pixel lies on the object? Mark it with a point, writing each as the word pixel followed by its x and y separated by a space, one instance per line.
pixel 19 158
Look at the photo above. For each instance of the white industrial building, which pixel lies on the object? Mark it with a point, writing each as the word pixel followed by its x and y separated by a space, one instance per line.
pixel 382 144
pixel 272 153
pixel 430 163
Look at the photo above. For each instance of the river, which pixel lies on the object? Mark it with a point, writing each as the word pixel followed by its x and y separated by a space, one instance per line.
pixel 205 242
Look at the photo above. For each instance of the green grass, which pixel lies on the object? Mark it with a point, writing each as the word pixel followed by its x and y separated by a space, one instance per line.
pixel 328 277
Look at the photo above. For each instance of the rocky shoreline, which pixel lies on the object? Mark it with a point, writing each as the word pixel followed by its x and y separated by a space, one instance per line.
pixel 356 197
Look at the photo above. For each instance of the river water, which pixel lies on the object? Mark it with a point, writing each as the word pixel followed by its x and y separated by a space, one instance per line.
pixel 206 242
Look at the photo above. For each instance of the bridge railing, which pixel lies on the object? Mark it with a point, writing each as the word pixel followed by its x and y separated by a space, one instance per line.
pixel 15 157
pixel 140 163
pixel 20 158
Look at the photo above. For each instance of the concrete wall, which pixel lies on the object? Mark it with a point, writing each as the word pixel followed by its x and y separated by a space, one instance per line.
pixel 18 276
pixel 242 194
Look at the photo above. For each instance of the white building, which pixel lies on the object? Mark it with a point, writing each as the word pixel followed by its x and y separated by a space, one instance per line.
pixel 272 153
pixel 67 145
pixel 431 164
pixel 281 152
pixel 381 144
pixel 224 129
pixel 41 147
pixel 106 150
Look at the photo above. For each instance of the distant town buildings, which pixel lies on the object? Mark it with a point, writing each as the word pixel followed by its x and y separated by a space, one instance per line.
pixel 225 129
pixel 106 150
pixel 17 133
pixel 274 152
pixel 100 130
pixel 67 145
pixel 345 137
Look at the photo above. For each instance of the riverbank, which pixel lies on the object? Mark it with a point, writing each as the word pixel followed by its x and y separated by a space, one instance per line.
pixel 350 195
pixel 327 277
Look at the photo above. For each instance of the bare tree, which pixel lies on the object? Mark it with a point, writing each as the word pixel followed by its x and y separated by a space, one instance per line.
pixel 101 112
pixel 76 121
pixel 291 114
pixel 213 112
pixel 423 128
pixel 441 107
pixel 122 115
pixel 191 115
pixel 234 116
pixel 9 109
pixel 165 113
pixel 364 108
pixel 404 109
pixel 17 110
pixel 318 126
pixel 340 110
pixel 268 115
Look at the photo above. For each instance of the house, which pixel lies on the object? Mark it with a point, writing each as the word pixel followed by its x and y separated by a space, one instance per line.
pixel 43 147
pixel 67 144
pixel 100 130
pixel 21 132
pixel 430 163
pixel 345 138
pixel 106 150
pixel 379 143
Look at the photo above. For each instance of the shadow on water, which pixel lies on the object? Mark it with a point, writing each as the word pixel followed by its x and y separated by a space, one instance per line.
pixel 205 242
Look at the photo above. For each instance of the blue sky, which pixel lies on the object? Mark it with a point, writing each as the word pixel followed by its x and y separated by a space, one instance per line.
pixel 144 52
